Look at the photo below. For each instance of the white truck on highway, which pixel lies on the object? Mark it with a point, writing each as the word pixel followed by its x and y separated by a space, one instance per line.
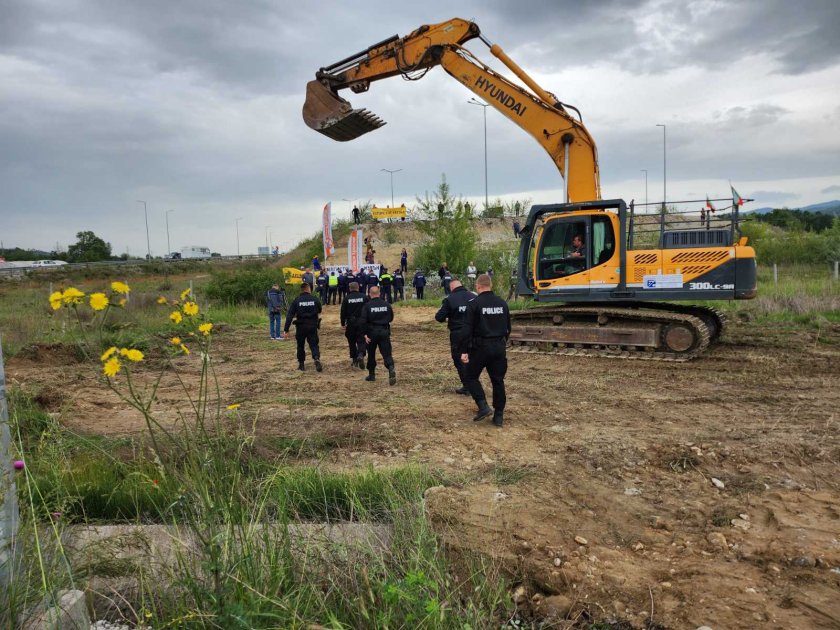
pixel 195 252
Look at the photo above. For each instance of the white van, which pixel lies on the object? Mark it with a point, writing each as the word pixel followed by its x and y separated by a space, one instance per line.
pixel 47 263
pixel 195 252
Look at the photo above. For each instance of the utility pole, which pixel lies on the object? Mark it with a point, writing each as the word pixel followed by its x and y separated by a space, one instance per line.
pixel 644 170
pixel 474 101
pixel 148 242
pixel 238 219
pixel 267 238
pixel 664 166
pixel 168 246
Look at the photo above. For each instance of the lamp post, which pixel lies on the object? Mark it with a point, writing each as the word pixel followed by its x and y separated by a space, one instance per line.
pixel 238 219
pixel 267 233
pixel 644 170
pixel 349 203
pixel 168 246
pixel 474 101
pixel 664 166
pixel 392 182
pixel 148 245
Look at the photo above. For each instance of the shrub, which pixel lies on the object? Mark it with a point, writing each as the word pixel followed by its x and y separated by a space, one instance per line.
pixel 248 286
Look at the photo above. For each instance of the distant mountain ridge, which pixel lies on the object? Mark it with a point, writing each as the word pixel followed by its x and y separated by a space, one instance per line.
pixel 826 207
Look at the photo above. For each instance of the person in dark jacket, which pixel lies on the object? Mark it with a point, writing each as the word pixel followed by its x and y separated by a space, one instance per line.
pixel 453 309
pixel 351 322
pixel 399 286
pixel 483 340
pixel 356 215
pixel 321 284
pixel 361 278
pixel 276 298
pixel 404 261
pixel 419 283
pixel 445 281
pixel 372 281
pixel 377 316
pixel 316 264
pixel 308 278
pixel 305 310
pixel 385 282
pixel 343 283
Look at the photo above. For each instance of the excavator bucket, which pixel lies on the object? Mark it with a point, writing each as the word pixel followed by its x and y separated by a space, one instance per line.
pixel 334 117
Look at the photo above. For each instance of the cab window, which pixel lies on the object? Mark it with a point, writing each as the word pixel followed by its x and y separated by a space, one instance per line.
pixel 603 240
pixel 557 254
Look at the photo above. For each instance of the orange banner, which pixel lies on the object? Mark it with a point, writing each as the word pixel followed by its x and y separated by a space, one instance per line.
pixel 354 250
pixel 329 248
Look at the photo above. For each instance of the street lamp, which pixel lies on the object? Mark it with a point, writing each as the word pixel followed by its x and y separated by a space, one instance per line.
pixel 392 182
pixel 664 166
pixel 238 219
pixel 168 246
pixel 148 245
pixel 267 237
pixel 349 203
pixel 644 170
pixel 474 101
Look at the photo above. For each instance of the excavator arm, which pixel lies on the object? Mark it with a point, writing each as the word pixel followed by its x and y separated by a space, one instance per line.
pixel 537 111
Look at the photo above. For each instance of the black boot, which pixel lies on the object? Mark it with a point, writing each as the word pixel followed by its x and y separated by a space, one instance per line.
pixel 371 376
pixel 463 391
pixel 300 366
pixel 318 366
pixel 392 376
pixel 498 417
pixel 360 363
pixel 484 410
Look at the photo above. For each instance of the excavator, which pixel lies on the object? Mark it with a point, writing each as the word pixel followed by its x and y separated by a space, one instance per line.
pixel 606 293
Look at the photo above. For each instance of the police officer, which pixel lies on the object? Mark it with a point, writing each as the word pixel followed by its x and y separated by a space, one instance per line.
pixel 321 284
pixel 419 283
pixel 377 316
pixel 399 284
pixel 385 281
pixel 446 280
pixel 332 288
pixel 483 339
pixel 454 308
pixel 343 283
pixel 305 310
pixel 372 281
pixel 351 312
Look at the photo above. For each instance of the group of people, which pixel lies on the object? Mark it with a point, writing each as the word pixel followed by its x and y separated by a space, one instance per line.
pixel 479 325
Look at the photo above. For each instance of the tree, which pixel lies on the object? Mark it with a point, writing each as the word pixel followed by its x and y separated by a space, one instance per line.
pixel 88 248
pixel 448 228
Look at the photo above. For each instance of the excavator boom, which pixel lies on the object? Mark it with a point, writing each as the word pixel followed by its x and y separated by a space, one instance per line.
pixel 535 110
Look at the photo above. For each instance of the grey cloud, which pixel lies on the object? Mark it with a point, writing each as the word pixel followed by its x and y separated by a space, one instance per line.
pixel 831 189
pixel 740 117
pixel 772 196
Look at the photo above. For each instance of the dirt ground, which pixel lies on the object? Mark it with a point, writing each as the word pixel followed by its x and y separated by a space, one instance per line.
pixel 667 495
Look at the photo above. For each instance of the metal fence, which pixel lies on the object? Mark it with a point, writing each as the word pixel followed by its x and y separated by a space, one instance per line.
pixel 8 492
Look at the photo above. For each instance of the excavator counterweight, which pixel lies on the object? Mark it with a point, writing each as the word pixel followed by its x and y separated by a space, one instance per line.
pixel 329 114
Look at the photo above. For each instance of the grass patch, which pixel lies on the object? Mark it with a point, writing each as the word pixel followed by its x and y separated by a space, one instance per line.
pixel 508 475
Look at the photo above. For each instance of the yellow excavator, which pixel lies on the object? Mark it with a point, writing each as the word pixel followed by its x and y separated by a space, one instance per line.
pixel 579 252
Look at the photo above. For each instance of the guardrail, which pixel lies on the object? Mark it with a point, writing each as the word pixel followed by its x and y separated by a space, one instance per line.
pixel 133 261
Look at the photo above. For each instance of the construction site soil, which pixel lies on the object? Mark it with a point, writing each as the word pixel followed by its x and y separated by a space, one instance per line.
pixel 664 495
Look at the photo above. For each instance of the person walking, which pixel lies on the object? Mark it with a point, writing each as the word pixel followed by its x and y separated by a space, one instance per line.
pixel 372 281
pixel 321 283
pixel 483 339
pixel 442 272
pixel 513 290
pixel 386 280
pixel 399 285
pixel 452 310
pixel 276 298
pixel 361 278
pixel 343 284
pixel 350 315
pixel 308 278
pixel 377 316
pixel 305 310
pixel 356 215
pixel 516 228
pixel 404 261
pixel 446 280
pixel 332 288
pixel 419 284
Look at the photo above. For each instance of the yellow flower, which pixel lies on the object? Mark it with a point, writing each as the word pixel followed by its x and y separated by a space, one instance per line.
pixel 184 349
pixel 112 366
pixel 122 302
pixel 123 352
pixel 98 301
pixel 55 300
pixel 134 355
pixel 72 296
pixel 175 341
pixel 234 406
pixel 191 308
pixel 108 353
pixel 120 287
pixel 161 300
pixel 176 317
pixel 205 328
pixel 185 293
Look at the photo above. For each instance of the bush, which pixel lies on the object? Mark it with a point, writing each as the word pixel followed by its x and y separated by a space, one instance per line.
pixel 248 286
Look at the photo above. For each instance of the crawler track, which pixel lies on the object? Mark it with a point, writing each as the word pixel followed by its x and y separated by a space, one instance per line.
pixel 666 332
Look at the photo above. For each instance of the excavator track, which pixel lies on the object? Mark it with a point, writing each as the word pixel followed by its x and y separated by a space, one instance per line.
pixel 666 332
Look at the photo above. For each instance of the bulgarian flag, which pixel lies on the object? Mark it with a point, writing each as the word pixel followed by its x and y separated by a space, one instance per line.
pixel 737 200
pixel 709 204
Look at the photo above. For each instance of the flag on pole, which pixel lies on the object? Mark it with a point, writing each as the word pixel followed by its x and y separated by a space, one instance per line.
pixel 737 200
pixel 709 204
pixel 354 249
pixel 329 248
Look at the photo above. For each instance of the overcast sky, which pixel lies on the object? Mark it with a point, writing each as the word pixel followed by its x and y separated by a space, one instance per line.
pixel 194 106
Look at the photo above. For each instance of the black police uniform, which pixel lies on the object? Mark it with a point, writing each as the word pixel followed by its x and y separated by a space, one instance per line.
pixel 305 310
pixel 484 337
pixel 377 316
pixel 399 286
pixel 351 312
pixel 453 309
pixel 419 284
pixel 321 283
pixel 343 282
pixel 372 281
pixel 385 281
